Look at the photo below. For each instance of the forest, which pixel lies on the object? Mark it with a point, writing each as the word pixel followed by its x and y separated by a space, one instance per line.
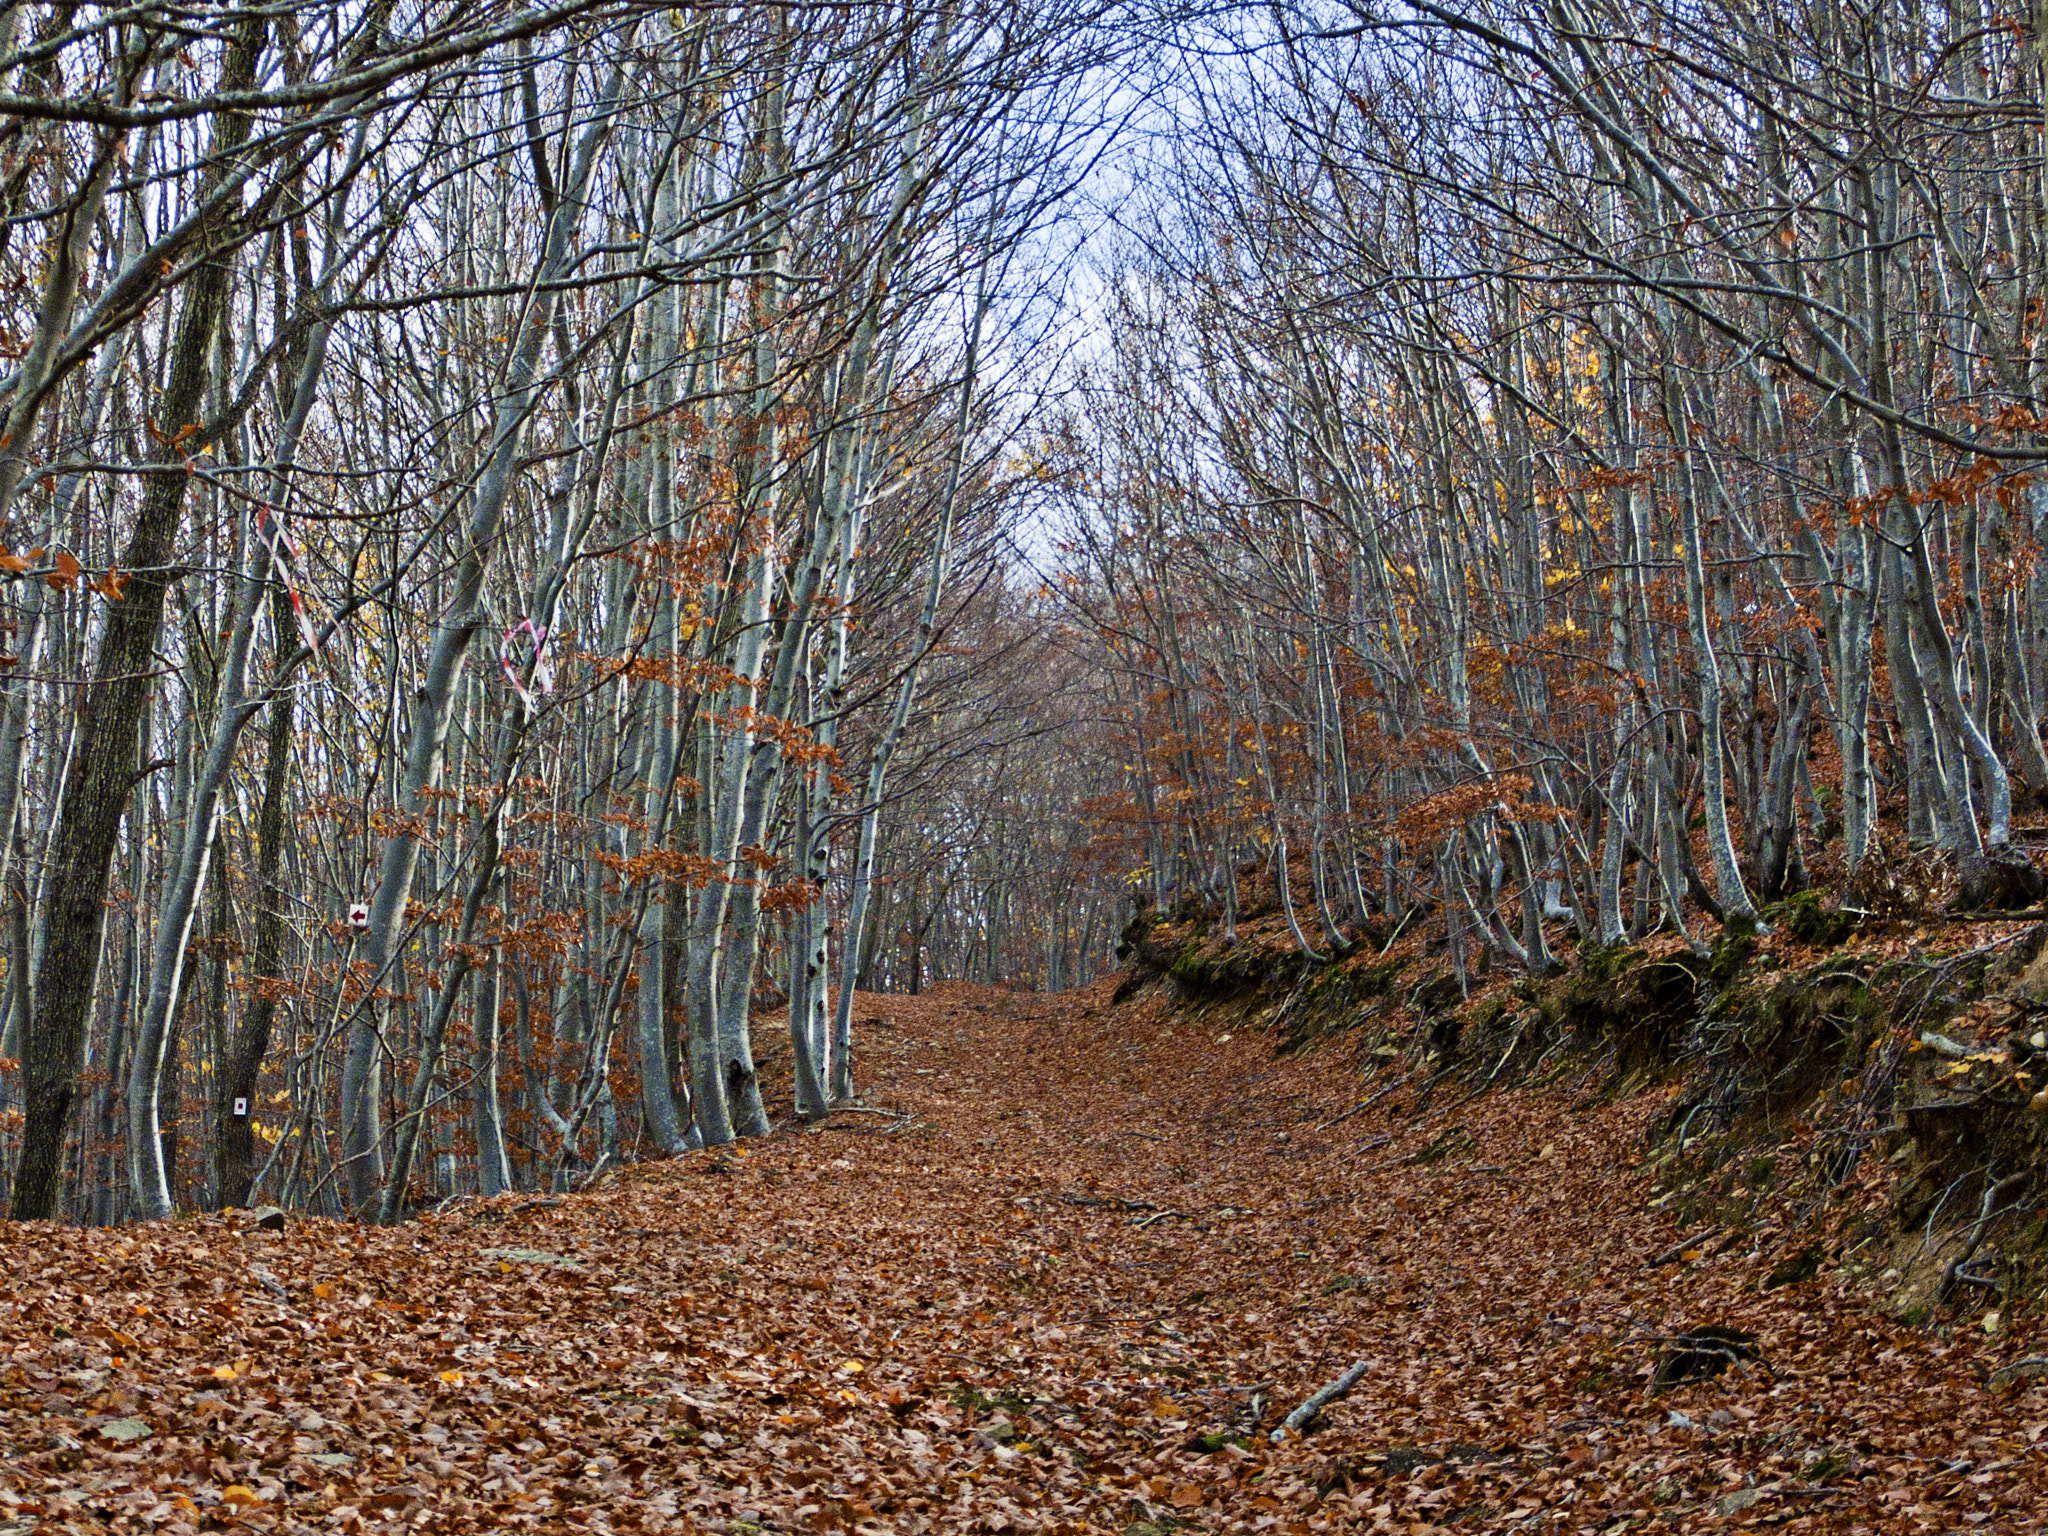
pixel 548 546
pixel 1105 767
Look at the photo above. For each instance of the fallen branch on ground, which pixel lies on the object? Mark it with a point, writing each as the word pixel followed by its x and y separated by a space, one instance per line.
pixel 1146 1221
pixel 1678 1250
pixel 1117 1202
pixel 2030 1369
pixel 1320 1399
pixel 1422 1099
pixel 1953 1275
pixel 1361 1107
pixel 1356 1109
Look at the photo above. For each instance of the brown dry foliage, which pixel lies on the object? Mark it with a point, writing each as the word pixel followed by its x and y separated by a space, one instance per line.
pixel 1105 1234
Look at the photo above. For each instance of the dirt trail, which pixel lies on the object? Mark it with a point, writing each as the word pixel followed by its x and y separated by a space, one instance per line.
pixel 1069 1281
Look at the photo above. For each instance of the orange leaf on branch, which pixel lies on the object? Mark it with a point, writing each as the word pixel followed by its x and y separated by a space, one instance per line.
pixel 65 576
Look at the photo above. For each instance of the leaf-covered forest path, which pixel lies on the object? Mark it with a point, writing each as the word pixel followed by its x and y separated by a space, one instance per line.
pixel 1072 1281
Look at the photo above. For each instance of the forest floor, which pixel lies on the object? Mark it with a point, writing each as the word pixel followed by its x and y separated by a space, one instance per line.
pixel 1068 1277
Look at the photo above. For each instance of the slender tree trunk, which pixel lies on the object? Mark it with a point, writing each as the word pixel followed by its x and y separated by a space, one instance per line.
pixel 234 1130
pixel 493 1168
pixel 1733 893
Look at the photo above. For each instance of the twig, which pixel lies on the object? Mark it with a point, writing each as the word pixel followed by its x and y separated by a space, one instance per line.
pixel 1146 1221
pixel 2029 1369
pixel 1514 1041
pixel 1393 1087
pixel 1118 1201
pixel 1428 1088
pixel 1320 1399
pixel 1672 1255
pixel 1357 1109
pixel 1485 1087
pixel 1953 1274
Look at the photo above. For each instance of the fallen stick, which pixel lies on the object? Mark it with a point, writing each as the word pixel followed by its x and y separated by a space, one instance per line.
pixel 1365 1104
pixel 1361 1106
pixel 1117 1201
pixel 1673 1254
pixel 1320 1399
pixel 1953 1275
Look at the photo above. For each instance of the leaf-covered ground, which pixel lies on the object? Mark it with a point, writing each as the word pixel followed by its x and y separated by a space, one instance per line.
pixel 1076 1290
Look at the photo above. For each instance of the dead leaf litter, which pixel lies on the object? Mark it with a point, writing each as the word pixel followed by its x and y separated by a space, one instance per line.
pixel 1073 1279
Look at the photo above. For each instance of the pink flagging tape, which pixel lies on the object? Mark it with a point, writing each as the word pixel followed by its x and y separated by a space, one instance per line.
pixel 530 653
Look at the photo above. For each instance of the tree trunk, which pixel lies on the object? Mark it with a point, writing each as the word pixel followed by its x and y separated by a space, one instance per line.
pixel 234 1129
